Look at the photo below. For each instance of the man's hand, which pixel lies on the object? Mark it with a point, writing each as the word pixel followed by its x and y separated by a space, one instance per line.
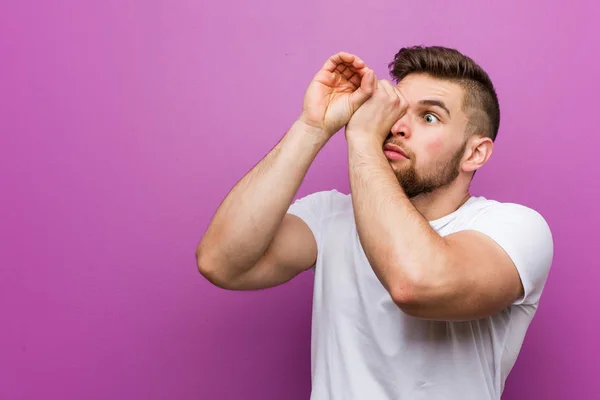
pixel 373 121
pixel 342 85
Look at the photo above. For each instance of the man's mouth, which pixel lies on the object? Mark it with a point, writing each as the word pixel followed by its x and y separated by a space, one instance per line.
pixel 394 152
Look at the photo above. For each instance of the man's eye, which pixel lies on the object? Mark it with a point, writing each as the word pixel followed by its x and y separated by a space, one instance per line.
pixel 430 118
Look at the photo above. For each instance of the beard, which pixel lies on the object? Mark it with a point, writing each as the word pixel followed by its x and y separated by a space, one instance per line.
pixel 442 174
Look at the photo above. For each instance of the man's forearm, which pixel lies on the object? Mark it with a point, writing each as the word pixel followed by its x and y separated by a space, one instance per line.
pixel 401 246
pixel 247 220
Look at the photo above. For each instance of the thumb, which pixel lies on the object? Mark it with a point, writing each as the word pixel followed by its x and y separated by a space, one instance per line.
pixel 368 85
pixel 403 101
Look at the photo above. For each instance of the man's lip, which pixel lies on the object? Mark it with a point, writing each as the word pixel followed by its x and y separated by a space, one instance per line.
pixel 392 147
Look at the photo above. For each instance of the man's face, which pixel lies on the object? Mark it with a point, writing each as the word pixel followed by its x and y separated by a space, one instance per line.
pixel 432 134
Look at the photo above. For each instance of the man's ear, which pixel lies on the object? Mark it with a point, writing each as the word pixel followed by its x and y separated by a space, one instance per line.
pixel 478 151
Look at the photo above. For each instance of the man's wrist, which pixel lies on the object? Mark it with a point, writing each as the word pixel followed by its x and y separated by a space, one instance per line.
pixel 309 129
pixel 363 142
pixel 304 133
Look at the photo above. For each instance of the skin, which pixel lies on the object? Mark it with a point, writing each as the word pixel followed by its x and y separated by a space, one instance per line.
pixel 252 243
pixel 461 276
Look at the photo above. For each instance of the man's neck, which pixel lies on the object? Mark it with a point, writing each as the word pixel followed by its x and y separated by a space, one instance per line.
pixel 442 201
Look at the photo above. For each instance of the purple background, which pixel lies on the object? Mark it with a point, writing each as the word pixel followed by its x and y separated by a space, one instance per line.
pixel 124 123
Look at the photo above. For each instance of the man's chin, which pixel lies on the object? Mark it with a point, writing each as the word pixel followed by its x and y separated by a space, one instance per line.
pixel 399 165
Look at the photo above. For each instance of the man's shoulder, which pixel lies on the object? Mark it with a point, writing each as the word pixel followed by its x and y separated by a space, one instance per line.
pixel 494 214
pixel 481 206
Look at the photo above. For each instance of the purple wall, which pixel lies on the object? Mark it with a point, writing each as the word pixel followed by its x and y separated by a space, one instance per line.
pixel 123 125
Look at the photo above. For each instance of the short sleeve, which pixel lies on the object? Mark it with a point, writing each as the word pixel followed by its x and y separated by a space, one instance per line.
pixel 314 208
pixel 526 237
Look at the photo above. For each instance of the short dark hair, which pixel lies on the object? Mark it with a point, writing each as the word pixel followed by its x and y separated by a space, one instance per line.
pixel 481 101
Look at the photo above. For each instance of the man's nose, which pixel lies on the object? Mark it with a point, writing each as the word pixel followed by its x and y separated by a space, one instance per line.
pixel 401 128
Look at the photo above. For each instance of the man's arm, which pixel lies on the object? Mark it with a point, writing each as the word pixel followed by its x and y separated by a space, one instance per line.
pixel 251 243
pixel 463 276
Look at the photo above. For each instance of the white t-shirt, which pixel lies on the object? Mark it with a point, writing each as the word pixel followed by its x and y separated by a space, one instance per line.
pixel 364 347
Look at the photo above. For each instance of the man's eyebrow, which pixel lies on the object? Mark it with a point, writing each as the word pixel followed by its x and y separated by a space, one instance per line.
pixel 435 103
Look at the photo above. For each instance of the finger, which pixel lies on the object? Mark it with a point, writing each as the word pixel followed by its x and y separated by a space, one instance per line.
pixel 387 87
pixel 347 67
pixel 365 91
pixel 382 86
pixel 354 75
pixel 355 79
pixel 395 95
pixel 372 82
pixel 399 93
pixel 349 59
pixel 403 101
pixel 351 74
pixel 344 75
pixel 343 58
pixel 344 71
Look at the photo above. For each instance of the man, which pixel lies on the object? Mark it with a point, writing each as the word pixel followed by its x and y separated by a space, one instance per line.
pixel 421 290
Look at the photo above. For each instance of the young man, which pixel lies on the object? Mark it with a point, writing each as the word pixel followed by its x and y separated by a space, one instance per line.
pixel 421 290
